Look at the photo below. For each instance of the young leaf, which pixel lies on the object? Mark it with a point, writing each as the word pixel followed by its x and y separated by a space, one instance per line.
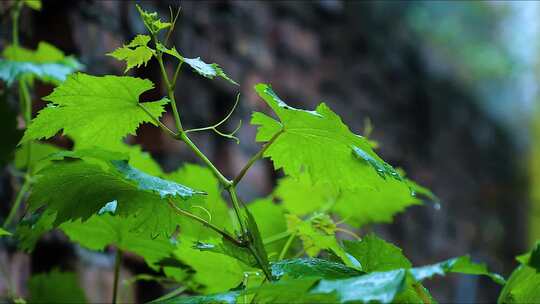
pixel 47 63
pixel 318 233
pixel 55 287
pixel 136 53
pixel 152 21
pixel 95 111
pixel 31 228
pixel 204 69
pixel 102 230
pixel 532 258
pixel 376 254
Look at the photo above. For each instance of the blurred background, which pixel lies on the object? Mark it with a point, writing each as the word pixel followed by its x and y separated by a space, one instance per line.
pixel 450 89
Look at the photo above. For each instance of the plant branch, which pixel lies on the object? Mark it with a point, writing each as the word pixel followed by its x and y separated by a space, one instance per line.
pixel 158 122
pixel 256 157
pixel 18 200
pixel 222 179
pixel 117 263
pixel 286 247
pixel 276 237
pixel 206 224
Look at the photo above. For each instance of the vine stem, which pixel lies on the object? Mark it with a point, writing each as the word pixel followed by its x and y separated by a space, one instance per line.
pixel 117 263
pixel 286 246
pixel 206 223
pixel 26 108
pixel 255 157
pixel 18 200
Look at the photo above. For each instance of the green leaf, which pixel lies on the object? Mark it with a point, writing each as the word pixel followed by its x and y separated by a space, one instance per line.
pixel 271 221
pixel 33 4
pixel 213 208
pixel 152 21
pixel 136 53
pixel 356 206
pixel 204 69
pixel 375 254
pixel 532 258
pixel 318 233
pixel 39 155
pixel 302 268
pixel 103 230
pixel 461 264
pixel 95 111
pixel 222 298
pixel 55 287
pixel 377 286
pixel 215 271
pixel 78 189
pixel 256 241
pixel 522 286
pixel 31 228
pixel 47 63
pixel 4 232
pixel 336 161
pixel 290 291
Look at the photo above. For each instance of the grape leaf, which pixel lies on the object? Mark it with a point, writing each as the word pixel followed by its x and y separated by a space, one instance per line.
pixel 152 21
pixel 204 69
pixel 55 287
pixel 461 264
pixel 31 228
pixel 214 208
pixel 221 298
pixel 103 230
pixel 532 258
pixel 33 4
pixel 521 287
pixel 318 233
pixel 318 144
pixel 4 232
pixel 290 291
pixel 377 286
pixel 95 111
pixel 205 264
pixel 78 189
pixel 271 221
pixel 302 268
pixel 356 206
pixel 47 63
pixel 376 254
pixel 136 53
pixel 39 155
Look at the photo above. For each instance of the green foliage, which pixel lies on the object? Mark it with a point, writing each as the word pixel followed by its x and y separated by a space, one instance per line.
pixel 55 287
pixel 286 248
pixel 87 108
pixel 376 254
pixel 47 63
pixel 204 69
pixel 78 189
pixel 136 53
pixel 522 286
